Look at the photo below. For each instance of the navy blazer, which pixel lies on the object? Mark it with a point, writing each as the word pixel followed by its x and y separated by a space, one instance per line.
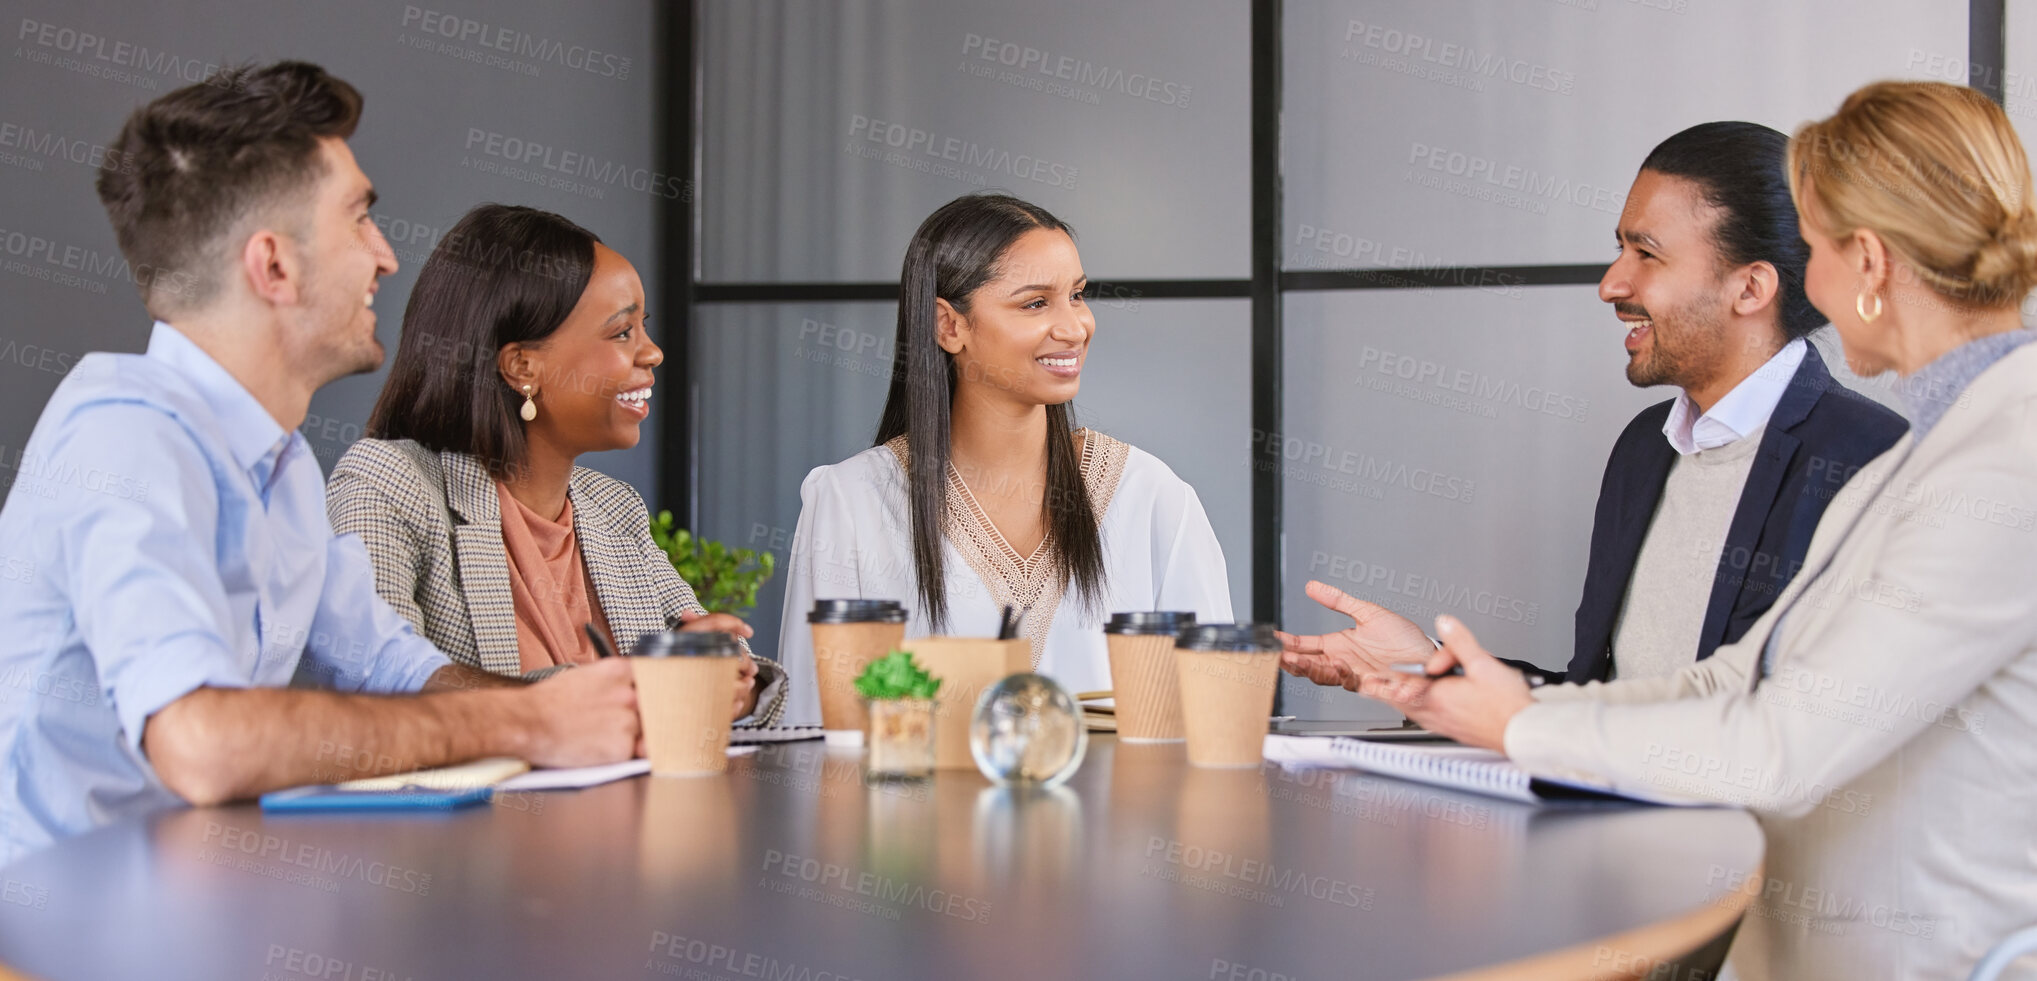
pixel 1818 437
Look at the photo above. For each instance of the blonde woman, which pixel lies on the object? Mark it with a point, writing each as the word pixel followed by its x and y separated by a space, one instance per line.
pixel 1880 719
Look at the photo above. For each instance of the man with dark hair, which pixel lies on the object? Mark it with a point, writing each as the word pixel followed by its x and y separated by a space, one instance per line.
pixel 1709 499
pixel 184 573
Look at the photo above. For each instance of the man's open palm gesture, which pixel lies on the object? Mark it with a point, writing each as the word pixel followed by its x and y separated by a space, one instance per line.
pixel 1379 638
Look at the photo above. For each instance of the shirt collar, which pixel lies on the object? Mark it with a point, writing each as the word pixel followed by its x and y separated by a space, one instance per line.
pixel 1742 411
pixel 255 439
pixel 1932 389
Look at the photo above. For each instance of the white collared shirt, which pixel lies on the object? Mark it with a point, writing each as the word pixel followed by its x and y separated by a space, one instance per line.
pixel 1744 409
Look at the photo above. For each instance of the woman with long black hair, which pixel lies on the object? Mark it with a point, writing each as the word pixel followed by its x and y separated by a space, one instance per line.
pixel 981 491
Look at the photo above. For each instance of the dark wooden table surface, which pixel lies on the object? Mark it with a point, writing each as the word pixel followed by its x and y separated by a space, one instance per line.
pixel 789 867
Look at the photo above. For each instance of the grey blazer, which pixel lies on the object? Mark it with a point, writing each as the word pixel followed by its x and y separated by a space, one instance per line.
pixel 433 528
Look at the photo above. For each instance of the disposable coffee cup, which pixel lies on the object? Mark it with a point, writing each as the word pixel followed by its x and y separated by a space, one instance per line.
pixel 847 635
pixel 685 684
pixel 966 666
pixel 1145 688
pixel 1228 673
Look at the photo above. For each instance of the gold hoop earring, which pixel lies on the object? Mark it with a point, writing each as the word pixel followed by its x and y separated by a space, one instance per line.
pixel 530 407
pixel 1860 307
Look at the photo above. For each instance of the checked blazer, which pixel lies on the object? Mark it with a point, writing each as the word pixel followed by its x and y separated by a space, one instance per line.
pixel 433 527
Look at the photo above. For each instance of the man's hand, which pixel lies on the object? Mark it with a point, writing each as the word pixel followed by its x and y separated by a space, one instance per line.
pixel 1473 709
pixel 1380 638
pixel 583 717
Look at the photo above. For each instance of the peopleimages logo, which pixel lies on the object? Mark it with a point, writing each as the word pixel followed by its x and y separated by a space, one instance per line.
pixel 905 141
pixel 311 964
pixel 229 841
pixel 678 951
pixel 1473 384
pixel 1459 57
pixel 515 43
pixel 1366 466
pixel 57 146
pixel 1525 182
pixel 1429 589
pixel 1815 903
pixel 105 55
pixel 544 156
pixel 1076 71
pixel 880 888
pixel 48 477
pixel 1200 864
pixel 38 257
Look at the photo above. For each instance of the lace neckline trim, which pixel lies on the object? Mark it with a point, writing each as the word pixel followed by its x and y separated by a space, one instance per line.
pixel 1025 583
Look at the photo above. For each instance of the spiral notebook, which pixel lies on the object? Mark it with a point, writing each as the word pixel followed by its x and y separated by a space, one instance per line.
pixel 748 735
pixel 1480 771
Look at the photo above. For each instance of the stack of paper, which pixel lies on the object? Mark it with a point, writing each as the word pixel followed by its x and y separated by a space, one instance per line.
pixel 466 776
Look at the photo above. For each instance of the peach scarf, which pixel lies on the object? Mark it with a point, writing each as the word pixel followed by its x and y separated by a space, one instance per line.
pixel 549 584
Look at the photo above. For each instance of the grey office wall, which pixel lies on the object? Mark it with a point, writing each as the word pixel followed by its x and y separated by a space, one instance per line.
pixel 1468 132
pixel 2019 88
pixel 2020 79
pixel 830 130
pixel 521 102
pixel 1444 447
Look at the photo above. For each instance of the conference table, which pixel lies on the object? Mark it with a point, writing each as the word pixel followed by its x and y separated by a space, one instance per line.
pixel 789 866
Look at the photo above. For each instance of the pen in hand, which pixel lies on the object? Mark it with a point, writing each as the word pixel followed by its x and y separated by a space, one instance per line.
pixel 1457 671
pixel 601 648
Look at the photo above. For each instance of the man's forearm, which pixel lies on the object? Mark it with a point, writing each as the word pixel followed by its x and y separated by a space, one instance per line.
pixel 459 677
pixel 219 744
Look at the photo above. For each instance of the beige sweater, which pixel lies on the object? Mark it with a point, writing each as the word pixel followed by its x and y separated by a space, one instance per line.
pixel 1671 588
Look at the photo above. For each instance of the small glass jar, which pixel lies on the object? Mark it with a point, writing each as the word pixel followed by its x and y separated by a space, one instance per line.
pixel 899 739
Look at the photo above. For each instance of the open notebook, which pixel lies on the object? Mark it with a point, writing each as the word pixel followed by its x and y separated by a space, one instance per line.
pixel 508 774
pixel 1459 767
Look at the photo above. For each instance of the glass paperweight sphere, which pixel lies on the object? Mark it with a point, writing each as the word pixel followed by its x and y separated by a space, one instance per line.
pixel 1027 730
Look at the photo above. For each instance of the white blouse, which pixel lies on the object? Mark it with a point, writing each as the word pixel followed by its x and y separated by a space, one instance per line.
pixel 854 541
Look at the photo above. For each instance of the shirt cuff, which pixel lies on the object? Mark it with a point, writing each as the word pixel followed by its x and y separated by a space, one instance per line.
pixel 411 676
pixel 770 697
pixel 149 685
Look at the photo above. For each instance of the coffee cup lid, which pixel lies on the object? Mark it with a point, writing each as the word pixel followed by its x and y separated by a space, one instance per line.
pixel 856 611
pixel 1149 622
pixel 687 643
pixel 1228 637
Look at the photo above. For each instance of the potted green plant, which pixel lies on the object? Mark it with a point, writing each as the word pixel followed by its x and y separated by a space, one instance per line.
pixel 899 737
pixel 726 579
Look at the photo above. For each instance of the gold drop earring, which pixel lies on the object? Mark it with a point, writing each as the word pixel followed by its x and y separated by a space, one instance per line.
pixel 530 407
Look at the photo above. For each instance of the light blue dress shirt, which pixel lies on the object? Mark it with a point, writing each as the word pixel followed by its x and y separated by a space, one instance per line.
pixel 164 533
